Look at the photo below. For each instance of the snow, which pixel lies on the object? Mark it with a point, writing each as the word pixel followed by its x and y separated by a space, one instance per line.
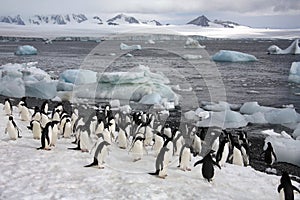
pixel 294 75
pixel 26 79
pixel 292 49
pixel 26 50
pixel 286 148
pixel 26 173
pixel 193 44
pixel 233 56
pixel 132 47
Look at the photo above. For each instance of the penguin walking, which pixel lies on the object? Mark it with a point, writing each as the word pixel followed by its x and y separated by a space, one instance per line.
pixel 185 157
pixel 270 156
pixel 137 148
pixel 208 166
pixel 36 129
pixel 285 188
pixel 223 152
pixel 12 129
pixel 161 163
pixel 122 139
pixel 158 143
pixel 100 155
pixel 45 138
pixel 7 107
pixel 67 129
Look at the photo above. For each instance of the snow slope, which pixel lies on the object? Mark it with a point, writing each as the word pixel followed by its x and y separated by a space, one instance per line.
pixel 27 173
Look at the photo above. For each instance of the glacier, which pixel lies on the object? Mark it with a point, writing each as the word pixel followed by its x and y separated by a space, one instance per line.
pixel 294 75
pixel 233 56
pixel 26 50
pixel 292 49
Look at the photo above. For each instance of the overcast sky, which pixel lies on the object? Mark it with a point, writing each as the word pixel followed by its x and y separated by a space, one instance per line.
pixel 255 13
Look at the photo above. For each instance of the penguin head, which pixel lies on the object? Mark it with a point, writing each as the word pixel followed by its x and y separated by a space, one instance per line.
pixel 36 109
pixel 269 145
pixel 285 178
pixel 10 118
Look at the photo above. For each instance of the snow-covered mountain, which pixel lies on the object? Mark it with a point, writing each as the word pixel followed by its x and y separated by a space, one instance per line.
pixel 122 19
pixel 12 20
pixel 152 22
pixel 205 22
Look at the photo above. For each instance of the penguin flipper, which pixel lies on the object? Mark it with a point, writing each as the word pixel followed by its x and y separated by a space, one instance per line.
pixel 198 162
pixel 94 163
pixel 294 188
pixel 279 188
pixel 154 173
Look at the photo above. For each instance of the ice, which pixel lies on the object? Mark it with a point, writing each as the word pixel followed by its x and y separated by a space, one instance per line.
pixel 224 119
pixel 193 44
pixel 292 49
pixel 296 133
pixel 192 57
pixel 282 116
pixel 191 115
pixel 26 50
pixel 232 56
pixel 250 108
pixel 221 106
pixel 286 148
pixel 202 113
pixel 153 98
pixel 256 118
pixel 128 47
pixel 18 80
pixel 78 76
pixel 115 103
pixel 294 75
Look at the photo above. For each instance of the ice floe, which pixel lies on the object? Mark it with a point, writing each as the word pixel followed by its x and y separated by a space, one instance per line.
pixel 26 50
pixel 128 47
pixel 233 56
pixel 292 49
pixel 193 44
pixel 294 75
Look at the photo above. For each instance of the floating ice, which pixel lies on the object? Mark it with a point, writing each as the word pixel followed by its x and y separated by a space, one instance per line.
pixel 224 119
pixel 294 75
pixel 191 115
pixel 250 108
pixel 202 114
pixel 132 47
pixel 18 80
pixel 78 76
pixel 296 133
pixel 115 103
pixel 282 116
pixel 153 98
pixel 221 106
pixel 26 50
pixel 256 118
pixel 292 49
pixel 193 44
pixel 286 148
pixel 192 57
pixel 232 56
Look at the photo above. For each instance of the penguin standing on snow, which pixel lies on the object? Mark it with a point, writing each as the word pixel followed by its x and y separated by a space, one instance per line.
pixel 161 163
pixel 122 138
pixel 45 139
pixel 7 107
pixel 208 166
pixel 24 113
pixel 22 102
pixel 37 114
pixel 285 188
pixel 100 155
pixel 55 132
pixel 185 158
pixel 67 129
pixel 137 148
pixel 223 152
pixel 45 107
pixel 158 143
pixel 270 156
pixel 36 128
pixel 237 156
pixel 12 129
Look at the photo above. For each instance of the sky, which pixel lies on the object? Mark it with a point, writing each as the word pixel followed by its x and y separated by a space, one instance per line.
pixel 254 13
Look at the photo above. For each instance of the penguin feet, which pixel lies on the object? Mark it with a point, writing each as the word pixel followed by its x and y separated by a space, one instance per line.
pixel 84 150
pixel 136 159
pixel 101 167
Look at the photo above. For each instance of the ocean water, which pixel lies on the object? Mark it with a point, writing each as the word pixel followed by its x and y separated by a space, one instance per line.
pixel 264 81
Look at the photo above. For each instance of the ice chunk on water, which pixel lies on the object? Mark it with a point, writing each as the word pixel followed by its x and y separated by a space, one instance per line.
pixel 294 75
pixel 153 98
pixel 193 44
pixel 292 49
pixel 282 116
pixel 128 47
pixel 191 115
pixel 78 76
pixel 12 87
pixel 256 118
pixel 232 56
pixel 250 108
pixel 192 57
pixel 41 89
pixel 224 119
pixel 26 50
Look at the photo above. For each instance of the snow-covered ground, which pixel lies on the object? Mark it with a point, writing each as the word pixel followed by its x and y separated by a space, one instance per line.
pixel 27 173
pixel 92 30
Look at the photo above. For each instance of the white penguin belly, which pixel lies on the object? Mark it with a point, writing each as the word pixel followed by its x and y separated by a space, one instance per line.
pixel 137 150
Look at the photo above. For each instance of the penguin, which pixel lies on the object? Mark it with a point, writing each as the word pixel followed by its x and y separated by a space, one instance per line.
pixel 100 155
pixel 185 158
pixel 285 188
pixel 45 107
pixel 167 131
pixel 7 107
pixel 270 156
pixel 99 127
pixel 245 151
pixel 45 138
pixel 56 115
pixel 148 135
pixel 24 113
pixel 44 119
pixel 22 102
pixel 55 133
pixel 106 135
pixel 36 115
pixel 161 163
pixel 158 143
pixel 67 129
pixel 169 144
pixel 237 157
pixel 223 152
pixel 12 129
pixel 122 139
pixel 196 145
pixel 178 142
pixel 36 129
pixel 84 140
pixel 208 166
pixel 74 118
pixel 137 148
pixel 112 126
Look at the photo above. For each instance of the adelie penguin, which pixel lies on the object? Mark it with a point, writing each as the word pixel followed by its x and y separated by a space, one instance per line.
pixel 37 114
pixel 100 155
pixel 137 148
pixel 208 171
pixel 12 129
pixel 7 107
pixel 185 158
pixel 270 156
pixel 24 113
pixel 223 152
pixel 45 138
pixel 161 163
pixel 285 188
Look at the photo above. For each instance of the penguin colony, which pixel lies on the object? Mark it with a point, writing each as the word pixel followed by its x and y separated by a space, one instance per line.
pixel 95 130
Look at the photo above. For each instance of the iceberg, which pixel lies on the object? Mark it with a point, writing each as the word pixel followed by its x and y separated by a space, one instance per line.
pixel 256 118
pixel 78 76
pixel 193 44
pixel 292 49
pixel 250 108
pixel 192 57
pixel 294 75
pixel 26 50
pixel 282 116
pixel 233 56
pixel 153 98
pixel 132 47
pixel 191 116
